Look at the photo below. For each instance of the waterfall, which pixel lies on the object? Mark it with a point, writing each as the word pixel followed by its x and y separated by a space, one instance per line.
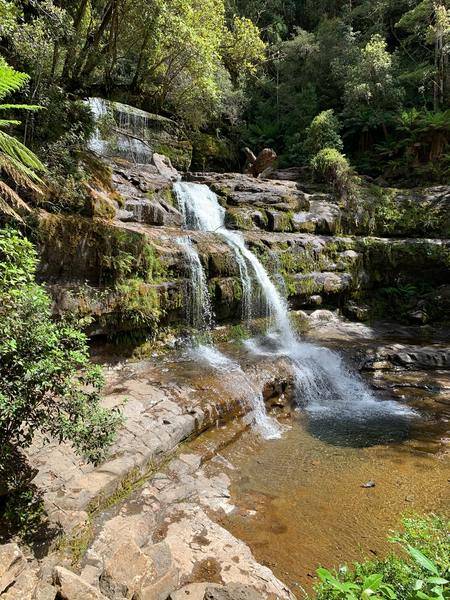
pixel 266 426
pixel 127 131
pixel 202 211
pixel 324 385
pixel 199 309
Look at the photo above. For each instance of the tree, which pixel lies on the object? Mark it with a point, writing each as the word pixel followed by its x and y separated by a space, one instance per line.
pixel 18 165
pixel 47 384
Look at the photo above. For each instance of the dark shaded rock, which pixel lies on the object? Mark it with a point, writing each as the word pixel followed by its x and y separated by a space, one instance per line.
pixel 399 356
pixel 356 312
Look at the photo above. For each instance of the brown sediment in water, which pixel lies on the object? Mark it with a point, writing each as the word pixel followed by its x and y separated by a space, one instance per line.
pixel 301 501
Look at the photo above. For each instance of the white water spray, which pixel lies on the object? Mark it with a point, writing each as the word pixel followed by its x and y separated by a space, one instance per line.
pixel 266 426
pixel 323 382
pixel 199 309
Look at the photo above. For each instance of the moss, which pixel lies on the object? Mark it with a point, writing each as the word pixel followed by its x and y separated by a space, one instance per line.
pixel 304 286
pixel 76 544
pixel 138 304
pixel 236 218
pixel 95 250
pixel 179 153
pixel 210 152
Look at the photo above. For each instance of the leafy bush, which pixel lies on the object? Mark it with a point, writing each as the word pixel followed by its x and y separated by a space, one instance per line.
pixel 421 573
pixel 332 166
pixel 323 133
pixel 47 384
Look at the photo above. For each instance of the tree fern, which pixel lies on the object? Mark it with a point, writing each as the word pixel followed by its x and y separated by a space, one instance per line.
pixel 17 162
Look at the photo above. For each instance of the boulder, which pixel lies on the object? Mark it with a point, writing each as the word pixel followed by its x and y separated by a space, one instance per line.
pixel 12 565
pixel 164 167
pixel 126 572
pixel 73 587
pixel 153 212
pixel 400 356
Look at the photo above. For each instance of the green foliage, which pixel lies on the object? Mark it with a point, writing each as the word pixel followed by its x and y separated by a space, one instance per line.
pixel 18 165
pixel 323 133
pixel 47 385
pixel 418 147
pixel 369 63
pixel 332 166
pixel 420 573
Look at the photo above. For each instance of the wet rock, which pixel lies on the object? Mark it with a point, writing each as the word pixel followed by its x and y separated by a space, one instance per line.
pixel 135 135
pixel 156 212
pixel 399 356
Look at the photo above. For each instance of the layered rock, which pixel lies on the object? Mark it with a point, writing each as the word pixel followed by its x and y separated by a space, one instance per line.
pixel 128 272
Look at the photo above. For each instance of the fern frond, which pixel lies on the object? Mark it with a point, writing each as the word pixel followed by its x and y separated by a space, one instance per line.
pixel 7 197
pixel 7 122
pixel 33 107
pixel 22 176
pixel 10 79
pixel 15 149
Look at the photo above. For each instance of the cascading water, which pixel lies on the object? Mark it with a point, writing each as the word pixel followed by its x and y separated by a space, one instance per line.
pixel 323 382
pixel 200 313
pixel 266 426
pixel 129 125
pixel 202 211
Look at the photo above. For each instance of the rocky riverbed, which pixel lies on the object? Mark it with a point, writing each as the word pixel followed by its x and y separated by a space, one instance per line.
pixel 175 512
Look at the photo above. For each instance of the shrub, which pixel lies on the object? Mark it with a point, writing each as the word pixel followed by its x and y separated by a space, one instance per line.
pixel 47 384
pixel 323 133
pixel 332 166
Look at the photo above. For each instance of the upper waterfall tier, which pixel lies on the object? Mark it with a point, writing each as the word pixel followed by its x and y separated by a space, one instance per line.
pixel 126 132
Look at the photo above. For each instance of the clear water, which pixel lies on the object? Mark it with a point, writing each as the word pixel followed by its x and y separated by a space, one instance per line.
pixel 264 425
pixel 326 389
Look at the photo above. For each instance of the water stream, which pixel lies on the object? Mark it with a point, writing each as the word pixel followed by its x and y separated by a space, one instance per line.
pixel 201 211
pixel 325 387
pixel 199 309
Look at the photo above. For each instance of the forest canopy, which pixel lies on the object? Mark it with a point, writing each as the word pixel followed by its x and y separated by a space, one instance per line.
pixel 255 73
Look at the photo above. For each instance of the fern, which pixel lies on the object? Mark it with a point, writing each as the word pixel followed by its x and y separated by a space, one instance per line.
pixel 20 165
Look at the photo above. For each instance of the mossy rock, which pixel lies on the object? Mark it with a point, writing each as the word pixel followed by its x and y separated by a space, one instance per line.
pixel 94 250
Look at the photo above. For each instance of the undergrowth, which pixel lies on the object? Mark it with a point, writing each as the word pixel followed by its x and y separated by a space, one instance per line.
pixel 418 570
